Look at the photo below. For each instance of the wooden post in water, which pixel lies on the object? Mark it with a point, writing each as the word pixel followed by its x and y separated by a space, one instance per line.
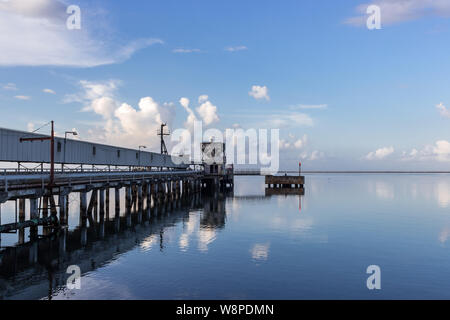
pixel 34 214
pixel 45 207
pixel 177 186
pixel 62 241
pixel 169 189
pixel 62 209
pixel 117 209
pixel 83 233
pixel 67 208
pixel 135 195
pixel 107 203
pixel 159 192
pixel 140 199
pixel 117 201
pixel 92 202
pixel 102 202
pixel 128 197
pixel 83 205
pixel 53 210
pixel 21 219
pixel 96 205
pixel 149 197
pixel 33 253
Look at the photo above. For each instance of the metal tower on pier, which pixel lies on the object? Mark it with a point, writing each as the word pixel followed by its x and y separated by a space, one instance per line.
pixel 162 134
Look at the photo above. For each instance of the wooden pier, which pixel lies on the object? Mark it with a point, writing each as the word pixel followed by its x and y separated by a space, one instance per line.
pixel 50 168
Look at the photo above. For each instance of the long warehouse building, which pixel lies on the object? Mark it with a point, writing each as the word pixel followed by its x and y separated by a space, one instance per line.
pixel 69 151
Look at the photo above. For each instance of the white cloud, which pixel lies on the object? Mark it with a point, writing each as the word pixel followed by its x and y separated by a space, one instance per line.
pixel 49 91
pixel 10 86
pixel 34 33
pixel 191 115
pixel 380 153
pixel 440 152
pixel 208 113
pixel 121 123
pixel 104 106
pixel 291 119
pixel 299 143
pixel 294 143
pixel 395 11
pixel 185 104
pixel 203 98
pixel 237 48
pixel 290 149
pixel 92 91
pixel 311 106
pixel 259 92
pixel 301 119
pixel 181 50
pixel 413 153
pixel 284 144
pixel 23 97
pixel 316 155
pixel 443 110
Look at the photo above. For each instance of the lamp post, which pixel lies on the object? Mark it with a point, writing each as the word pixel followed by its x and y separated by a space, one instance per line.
pixel 65 141
pixel 141 147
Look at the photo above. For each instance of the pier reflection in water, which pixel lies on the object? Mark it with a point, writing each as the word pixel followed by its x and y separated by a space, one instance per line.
pixel 250 245
pixel 38 269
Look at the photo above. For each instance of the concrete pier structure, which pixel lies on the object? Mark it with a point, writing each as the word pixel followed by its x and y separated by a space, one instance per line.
pixel 285 181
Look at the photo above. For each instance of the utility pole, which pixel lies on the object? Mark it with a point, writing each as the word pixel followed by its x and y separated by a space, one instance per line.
pixel 52 151
pixel 162 134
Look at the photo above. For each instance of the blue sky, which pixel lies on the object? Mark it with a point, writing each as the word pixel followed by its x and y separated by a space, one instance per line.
pixel 344 96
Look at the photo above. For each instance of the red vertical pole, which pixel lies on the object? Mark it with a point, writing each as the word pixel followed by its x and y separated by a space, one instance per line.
pixel 299 168
pixel 52 156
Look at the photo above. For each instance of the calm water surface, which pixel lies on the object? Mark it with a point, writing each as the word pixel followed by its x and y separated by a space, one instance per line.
pixel 252 246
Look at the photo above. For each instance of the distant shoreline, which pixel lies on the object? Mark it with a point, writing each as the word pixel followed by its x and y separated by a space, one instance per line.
pixel 373 172
pixel 256 173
